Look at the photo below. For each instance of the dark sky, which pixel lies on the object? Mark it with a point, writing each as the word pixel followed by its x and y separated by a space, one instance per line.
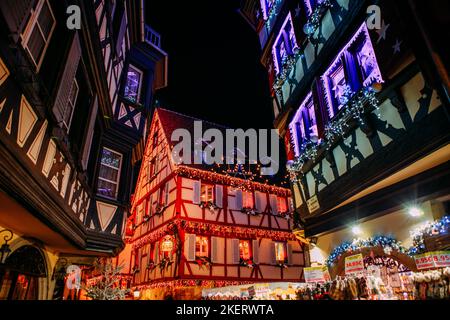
pixel 214 68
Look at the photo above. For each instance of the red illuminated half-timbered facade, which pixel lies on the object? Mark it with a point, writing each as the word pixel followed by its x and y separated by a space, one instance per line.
pixel 192 227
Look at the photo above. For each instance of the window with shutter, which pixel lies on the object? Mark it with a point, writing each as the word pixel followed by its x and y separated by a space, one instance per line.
pixel 38 32
pixel 68 91
pixel 207 192
pixel 196 195
pixel 219 196
pixel 189 247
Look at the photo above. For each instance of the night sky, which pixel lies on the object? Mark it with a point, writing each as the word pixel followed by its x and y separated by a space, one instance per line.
pixel 215 72
pixel 214 69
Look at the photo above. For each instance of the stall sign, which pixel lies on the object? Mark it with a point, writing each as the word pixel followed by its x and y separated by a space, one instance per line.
pixel 354 264
pixel 262 289
pixel 424 261
pixel 317 274
pixel 441 259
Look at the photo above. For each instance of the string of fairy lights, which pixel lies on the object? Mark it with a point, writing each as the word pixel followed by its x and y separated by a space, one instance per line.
pixel 212 229
pixel 355 108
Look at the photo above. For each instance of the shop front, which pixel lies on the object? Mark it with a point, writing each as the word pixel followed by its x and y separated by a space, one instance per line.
pixel 403 255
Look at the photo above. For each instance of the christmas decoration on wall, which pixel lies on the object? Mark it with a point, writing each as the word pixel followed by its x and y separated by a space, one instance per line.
pixel 220 178
pixel 384 242
pixel 437 227
pixel 313 22
pixel 210 205
pixel 272 13
pixel 191 283
pixel 364 99
pixel 203 261
pixel 214 230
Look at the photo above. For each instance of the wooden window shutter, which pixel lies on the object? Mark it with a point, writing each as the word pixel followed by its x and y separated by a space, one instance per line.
pixel 239 199
pixel 273 257
pixel 214 250
pixel 189 247
pixel 255 251
pixel 290 261
pixel 156 164
pixel 235 251
pixel 196 196
pixel 66 81
pixel 258 201
pixel 150 205
pixel 16 14
pixel 166 193
pixel 90 134
pixel 219 196
pixel 273 203
pixel 156 260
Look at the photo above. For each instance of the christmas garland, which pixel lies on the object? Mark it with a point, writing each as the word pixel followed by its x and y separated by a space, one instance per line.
pixel 313 22
pixel 213 229
pixel 336 129
pixel 437 227
pixel 191 283
pixel 387 243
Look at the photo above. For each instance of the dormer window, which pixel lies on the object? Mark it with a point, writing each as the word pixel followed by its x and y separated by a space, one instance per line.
pixel 284 44
pixel 303 126
pixel 133 84
pixel 355 67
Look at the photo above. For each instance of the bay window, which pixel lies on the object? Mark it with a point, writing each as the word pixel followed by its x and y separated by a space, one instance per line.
pixel 201 246
pixel 109 175
pixel 133 84
pixel 284 44
pixel 38 32
pixel 304 124
pixel 355 67
pixel 244 249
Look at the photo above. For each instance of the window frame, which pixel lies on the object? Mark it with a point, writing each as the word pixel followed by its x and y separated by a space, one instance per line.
pixel 350 64
pixel 203 253
pixel 283 37
pixel 250 253
pixel 208 187
pixel 277 245
pixel 107 180
pixel 141 79
pixel 301 130
pixel 28 31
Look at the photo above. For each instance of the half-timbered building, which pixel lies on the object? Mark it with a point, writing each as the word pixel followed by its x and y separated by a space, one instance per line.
pixel 76 85
pixel 193 226
pixel 360 96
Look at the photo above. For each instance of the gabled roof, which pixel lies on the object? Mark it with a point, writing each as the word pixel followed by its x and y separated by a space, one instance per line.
pixel 171 120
